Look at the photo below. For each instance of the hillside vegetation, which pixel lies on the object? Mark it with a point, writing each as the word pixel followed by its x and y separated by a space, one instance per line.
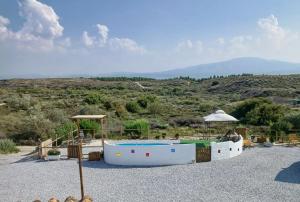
pixel 38 108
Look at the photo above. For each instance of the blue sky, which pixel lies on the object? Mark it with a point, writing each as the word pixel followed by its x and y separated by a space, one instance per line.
pixel 92 37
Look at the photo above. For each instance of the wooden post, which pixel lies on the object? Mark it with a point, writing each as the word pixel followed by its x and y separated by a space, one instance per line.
pixel 78 128
pixel 56 140
pixel 80 168
pixel 102 133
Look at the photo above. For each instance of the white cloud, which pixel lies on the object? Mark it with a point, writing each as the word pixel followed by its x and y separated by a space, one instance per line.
pixel 40 29
pixel 220 41
pixel 190 46
pixel 103 32
pixel 4 32
pixel 272 32
pixel 87 40
pixel 125 44
pixel 40 20
pixel 114 44
pixel 272 41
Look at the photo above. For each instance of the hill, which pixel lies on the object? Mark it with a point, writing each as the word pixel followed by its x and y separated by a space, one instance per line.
pixel 235 66
pixel 37 107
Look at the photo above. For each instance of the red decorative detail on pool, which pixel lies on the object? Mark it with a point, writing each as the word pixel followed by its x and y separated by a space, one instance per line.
pixel 147 154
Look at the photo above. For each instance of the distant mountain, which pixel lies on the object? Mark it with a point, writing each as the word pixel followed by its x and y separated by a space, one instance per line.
pixel 250 65
pixel 234 66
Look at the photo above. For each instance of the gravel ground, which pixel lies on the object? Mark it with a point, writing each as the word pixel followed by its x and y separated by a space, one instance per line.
pixel 259 174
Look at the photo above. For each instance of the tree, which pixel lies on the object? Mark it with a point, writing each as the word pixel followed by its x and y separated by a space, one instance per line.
pixel 265 114
pixel 248 105
pixel 281 125
pixel 294 119
pixel 259 111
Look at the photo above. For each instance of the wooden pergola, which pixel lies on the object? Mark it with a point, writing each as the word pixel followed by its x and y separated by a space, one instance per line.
pixel 101 119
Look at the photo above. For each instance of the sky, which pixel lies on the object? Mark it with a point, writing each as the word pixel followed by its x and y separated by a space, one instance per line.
pixel 77 37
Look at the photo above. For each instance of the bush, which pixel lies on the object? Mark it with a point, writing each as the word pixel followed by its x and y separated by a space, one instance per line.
pixel 214 83
pixel 265 114
pixel 294 119
pixel 132 107
pixel 205 107
pixel 155 108
pixel 107 104
pixel 53 152
pixel 65 129
pixel 93 99
pixel 281 126
pixel 120 110
pixel 90 110
pixel 56 115
pixel 135 129
pixel 183 122
pixel 258 111
pixel 7 146
pixel 158 126
pixel 143 102
pixel 20 103
pixel 89 126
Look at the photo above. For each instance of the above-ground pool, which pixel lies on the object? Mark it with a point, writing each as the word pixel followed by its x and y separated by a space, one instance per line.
pixel 168 152
pixel 148 152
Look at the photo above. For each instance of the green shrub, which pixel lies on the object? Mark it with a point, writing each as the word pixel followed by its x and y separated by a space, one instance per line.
pixel 56 115
pixel 135 129
pixel 90 110
pixel 65 129
pixel 53 152
pixel 281 126
pixel 155 108
pixel 246 106
pixel 294 119
pixel 259 111
pixel 143 102
pixel 132 107
pixel 89 126
pixel 108 105
pixel 120 110
pixel 205 107
pixel 265 114
pixel 23 102
pixel 214 83
pixel 8 146
pixel 93 99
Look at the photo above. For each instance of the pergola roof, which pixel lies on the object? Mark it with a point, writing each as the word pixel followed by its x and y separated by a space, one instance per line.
pixel 88 117
pixel 219 116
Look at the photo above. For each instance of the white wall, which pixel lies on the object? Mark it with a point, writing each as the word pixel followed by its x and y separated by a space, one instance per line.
pixel 226 150
pixel 158 154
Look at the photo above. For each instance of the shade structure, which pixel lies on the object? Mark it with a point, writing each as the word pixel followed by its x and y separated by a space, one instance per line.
pixel 219 116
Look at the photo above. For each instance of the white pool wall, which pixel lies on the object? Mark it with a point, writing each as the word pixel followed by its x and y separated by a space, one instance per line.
pixel 170 154
pixel 226 150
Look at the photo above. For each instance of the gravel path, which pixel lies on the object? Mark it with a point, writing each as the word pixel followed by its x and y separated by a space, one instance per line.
pixel 260 174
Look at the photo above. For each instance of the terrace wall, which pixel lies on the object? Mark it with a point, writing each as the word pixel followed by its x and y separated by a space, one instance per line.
pixel 226 150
